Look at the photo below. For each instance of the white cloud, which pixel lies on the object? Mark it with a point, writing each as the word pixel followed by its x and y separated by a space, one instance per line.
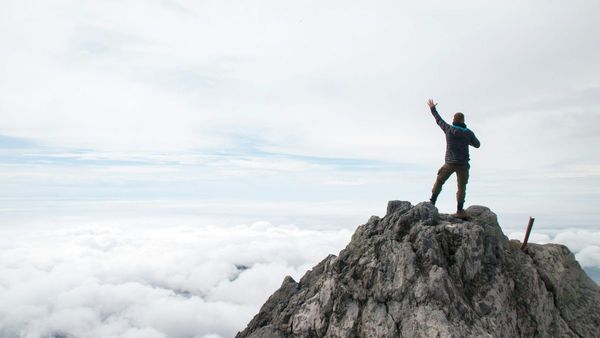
pixel 161 282
pixel 534 237
pixel 170 82
pixel 589 256
pixel 185 281
pixel 345 80
pixel 578 239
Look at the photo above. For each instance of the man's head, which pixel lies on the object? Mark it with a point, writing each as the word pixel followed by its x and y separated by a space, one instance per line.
pixel 459 117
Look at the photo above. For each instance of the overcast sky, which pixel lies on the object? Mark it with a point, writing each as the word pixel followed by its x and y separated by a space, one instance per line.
pixel 165 113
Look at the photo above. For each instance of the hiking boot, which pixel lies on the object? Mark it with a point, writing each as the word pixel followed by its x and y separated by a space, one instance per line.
pixel 460 214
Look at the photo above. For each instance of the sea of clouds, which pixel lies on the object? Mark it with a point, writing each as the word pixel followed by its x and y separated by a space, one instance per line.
pixel 167 282
pixel 184 281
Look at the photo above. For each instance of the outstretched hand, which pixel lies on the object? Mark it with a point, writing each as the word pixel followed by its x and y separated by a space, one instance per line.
pixel 431 103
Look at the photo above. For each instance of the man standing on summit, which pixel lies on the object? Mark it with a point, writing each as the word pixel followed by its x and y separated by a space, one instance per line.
pixel 458 140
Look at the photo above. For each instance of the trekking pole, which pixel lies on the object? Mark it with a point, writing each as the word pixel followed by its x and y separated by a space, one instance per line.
pixel 529 226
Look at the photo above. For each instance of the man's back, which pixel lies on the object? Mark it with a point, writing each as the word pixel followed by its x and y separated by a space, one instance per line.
pixel 458 139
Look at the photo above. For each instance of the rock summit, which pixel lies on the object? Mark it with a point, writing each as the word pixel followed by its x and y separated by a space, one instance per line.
pixel 418 273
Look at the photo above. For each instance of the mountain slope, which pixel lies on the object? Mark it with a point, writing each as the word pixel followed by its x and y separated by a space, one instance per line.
pixel 416 273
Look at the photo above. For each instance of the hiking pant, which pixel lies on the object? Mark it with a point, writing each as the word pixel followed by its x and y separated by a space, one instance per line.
pixel 462 178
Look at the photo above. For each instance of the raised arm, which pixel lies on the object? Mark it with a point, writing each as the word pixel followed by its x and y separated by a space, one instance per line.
pixel 438 119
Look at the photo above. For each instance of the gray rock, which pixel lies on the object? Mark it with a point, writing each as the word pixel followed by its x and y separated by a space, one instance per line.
pixel 418 273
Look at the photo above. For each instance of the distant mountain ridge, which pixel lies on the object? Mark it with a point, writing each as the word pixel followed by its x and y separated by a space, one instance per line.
pixel 418 273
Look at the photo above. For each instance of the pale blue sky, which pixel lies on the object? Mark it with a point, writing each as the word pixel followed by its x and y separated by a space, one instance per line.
pixel 309 101
pixel 300 101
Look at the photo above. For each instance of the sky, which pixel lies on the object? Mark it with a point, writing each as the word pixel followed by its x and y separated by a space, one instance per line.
pixel 178 135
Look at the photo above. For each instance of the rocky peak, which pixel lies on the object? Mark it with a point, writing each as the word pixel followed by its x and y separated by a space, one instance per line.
pixel 418 273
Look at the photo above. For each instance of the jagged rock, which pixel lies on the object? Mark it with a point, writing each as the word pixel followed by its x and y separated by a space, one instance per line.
pixel 417 273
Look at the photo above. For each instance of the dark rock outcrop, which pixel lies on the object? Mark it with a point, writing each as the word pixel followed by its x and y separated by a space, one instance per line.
pixel 417 273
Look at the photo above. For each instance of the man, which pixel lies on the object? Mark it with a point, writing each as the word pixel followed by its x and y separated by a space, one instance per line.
pixel 458 140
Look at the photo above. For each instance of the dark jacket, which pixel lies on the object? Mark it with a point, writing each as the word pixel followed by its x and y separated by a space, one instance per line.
pixel 458 139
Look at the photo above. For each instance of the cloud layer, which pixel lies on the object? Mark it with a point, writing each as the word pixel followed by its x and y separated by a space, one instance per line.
pixel 186 281
pixel 168 282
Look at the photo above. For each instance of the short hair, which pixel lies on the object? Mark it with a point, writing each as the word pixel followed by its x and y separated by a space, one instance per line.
pixel 459 117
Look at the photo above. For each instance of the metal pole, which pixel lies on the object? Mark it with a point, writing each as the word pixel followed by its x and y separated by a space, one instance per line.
pixel 529 226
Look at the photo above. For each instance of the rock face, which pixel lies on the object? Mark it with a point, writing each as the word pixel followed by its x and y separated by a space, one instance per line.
pixel 417 273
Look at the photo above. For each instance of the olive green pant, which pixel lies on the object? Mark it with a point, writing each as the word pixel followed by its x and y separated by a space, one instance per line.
pixel 462 178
